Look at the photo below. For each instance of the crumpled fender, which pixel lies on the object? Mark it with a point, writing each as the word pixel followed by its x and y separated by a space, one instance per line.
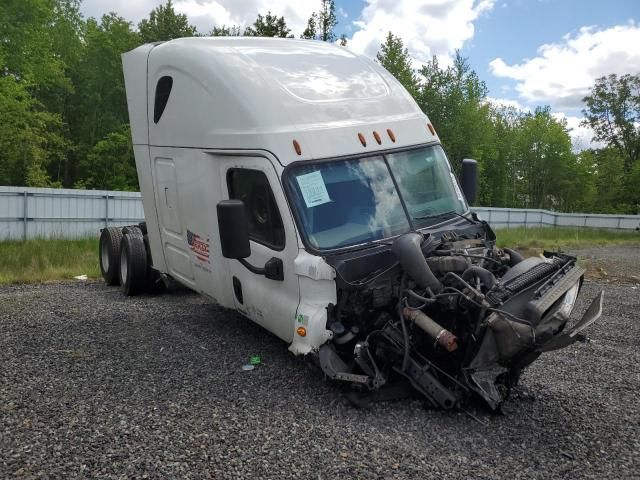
pixel 567 337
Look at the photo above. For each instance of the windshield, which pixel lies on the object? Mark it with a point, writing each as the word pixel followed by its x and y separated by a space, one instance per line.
pixel 427 184
pixel 350 202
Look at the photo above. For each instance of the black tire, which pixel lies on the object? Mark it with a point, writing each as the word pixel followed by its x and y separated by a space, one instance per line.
pixel 134 229
pixel 109 255
pixel 133 265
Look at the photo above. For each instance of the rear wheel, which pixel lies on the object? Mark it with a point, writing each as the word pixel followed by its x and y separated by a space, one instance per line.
pixel 109 253
pixel 133 264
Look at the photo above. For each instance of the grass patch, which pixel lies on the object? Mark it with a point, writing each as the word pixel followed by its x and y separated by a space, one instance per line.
pixel 43 260
pixel 563 238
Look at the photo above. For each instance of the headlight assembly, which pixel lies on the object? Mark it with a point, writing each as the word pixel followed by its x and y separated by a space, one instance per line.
pixel 569 300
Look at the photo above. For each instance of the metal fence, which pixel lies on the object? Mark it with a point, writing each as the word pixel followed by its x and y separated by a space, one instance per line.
pixel 65 213
pixel 529 217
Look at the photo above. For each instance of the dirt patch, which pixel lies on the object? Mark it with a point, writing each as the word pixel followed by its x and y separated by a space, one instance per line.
pixel 607 264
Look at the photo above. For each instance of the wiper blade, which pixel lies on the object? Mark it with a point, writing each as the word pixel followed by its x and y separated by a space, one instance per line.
pixel 444 214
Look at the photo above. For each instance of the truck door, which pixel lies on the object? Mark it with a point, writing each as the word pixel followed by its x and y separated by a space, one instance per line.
pixel 270 303
pixel 172 233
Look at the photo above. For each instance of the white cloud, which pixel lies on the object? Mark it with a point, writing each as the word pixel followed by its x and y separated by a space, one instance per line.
pixel 205 14
pixel 563 73
pixel 507 103
pixel 427 27
pixel 132 10
pixel 581 136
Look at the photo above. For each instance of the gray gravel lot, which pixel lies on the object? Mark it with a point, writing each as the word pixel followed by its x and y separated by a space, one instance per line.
pixel 96 385
pixel 613 263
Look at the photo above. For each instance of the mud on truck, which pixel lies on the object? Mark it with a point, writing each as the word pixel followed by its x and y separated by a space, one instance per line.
pixel 302 186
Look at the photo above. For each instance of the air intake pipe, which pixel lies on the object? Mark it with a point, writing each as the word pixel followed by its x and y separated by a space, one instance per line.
pixel 407 249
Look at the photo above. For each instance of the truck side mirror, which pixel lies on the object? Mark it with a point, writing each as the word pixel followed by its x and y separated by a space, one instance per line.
pixel 469 179
pixel 234 229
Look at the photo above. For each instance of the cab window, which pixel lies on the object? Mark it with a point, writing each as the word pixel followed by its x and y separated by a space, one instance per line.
pixel 265 222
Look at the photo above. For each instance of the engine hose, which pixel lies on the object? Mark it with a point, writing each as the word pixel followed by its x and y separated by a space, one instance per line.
pixel 347 337
pixel 420 298
pixel 485 275
pixel 408 251
pixel 437 332
pixel 514 257
pixel 405 332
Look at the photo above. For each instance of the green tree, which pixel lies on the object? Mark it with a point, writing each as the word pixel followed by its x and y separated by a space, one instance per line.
pixel 455 101
pixel 612 110
pixel 33 88
pixel 100 104
pixel 327 21
pixel 498 179
pixel 309 32
pixel 110 165
pixel 269 26
pixel 31 139
pixel 614 190
pixel 396 59
pixel 26 45
pixel 224 31
pixel 165 24
pixel 321 24
pixel 543 161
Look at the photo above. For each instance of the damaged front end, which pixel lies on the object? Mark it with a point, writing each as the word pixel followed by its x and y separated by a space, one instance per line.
pixel 449 313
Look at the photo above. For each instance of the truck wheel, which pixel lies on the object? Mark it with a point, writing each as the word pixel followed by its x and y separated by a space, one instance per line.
pixel 109 254
pixel 133 264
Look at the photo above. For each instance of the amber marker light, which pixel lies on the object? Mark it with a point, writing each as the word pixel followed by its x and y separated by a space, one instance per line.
pixel 301 331
pixel 296 147
pixel 431 129
pixel 363 140
pixel 376 135
pixel 392 135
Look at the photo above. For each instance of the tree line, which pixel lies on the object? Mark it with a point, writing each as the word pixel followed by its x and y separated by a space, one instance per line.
pixel 64 120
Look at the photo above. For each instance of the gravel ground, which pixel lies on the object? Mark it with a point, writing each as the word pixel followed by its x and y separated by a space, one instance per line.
pixel 611 263
pixel 96 385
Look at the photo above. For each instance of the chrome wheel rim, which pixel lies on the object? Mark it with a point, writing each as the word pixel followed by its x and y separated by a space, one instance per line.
pixel 123 265
pixel 104 253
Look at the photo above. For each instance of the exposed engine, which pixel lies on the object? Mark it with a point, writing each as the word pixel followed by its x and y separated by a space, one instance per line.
pixel 450 313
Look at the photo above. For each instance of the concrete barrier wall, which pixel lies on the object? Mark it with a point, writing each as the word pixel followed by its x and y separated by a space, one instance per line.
pixel 51 212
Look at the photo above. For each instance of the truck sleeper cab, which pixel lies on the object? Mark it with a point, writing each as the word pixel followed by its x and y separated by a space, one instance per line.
pixel 301 185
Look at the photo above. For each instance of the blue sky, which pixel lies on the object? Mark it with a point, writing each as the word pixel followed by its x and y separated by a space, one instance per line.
pixel 529 52
pixel 514 32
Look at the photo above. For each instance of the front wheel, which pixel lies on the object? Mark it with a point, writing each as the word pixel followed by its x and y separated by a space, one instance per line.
pixel 133 264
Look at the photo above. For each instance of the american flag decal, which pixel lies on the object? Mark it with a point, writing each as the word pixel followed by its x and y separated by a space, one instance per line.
pixel 199 246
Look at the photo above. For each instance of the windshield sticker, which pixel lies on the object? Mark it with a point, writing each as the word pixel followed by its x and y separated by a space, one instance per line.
pixel 456 187
pixel 313 189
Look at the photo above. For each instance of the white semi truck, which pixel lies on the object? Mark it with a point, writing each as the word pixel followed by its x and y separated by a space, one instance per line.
pixel 301 185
